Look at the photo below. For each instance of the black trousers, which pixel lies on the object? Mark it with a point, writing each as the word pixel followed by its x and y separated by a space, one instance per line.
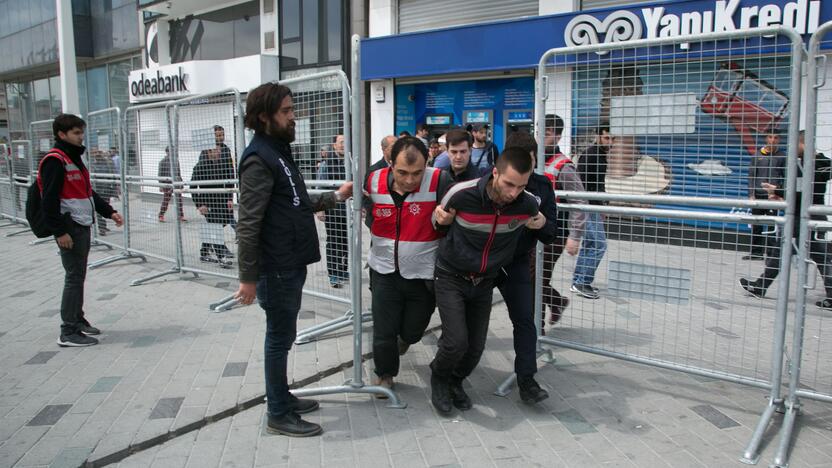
pixel 465 308
pixel 820 252
pixel 74 261
pixel 758 239
pixel 335 223
pixel 516 286
pixel 401 309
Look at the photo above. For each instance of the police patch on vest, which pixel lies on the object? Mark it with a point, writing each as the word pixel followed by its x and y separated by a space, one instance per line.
pixel 415 209
pixel 383 213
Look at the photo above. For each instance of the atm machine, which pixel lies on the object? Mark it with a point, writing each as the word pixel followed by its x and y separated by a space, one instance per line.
pixel 438 124
pixel 484 116
pixel 518 120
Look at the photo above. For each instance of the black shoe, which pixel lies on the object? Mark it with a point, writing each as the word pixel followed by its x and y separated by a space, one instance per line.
pixel 460 399
pixel 530 391
pixel 224 263
pixel 825 304
pixel 292 425
pixel 88 329
pixel 440 394
pixel 753 256
pixel 76 340
pixel 207 259
pixel 403 346
pixel 585 290
pixel 752 287
pixel 302 405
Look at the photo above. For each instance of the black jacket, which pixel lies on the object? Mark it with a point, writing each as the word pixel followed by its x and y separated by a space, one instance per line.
pixel 470 173
pixel 285 237
pixel 52 174
pixel 541 187
pixel 483 237
pixel 217 203
pixel 592 168
pixel 768 168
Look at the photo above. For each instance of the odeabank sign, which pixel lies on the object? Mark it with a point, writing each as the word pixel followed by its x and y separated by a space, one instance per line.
pixel 159 85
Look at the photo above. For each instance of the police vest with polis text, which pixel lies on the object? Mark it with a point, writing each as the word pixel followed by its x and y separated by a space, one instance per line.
pixel 403 239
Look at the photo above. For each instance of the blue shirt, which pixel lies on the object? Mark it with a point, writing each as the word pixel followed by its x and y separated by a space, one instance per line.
pixel 443 161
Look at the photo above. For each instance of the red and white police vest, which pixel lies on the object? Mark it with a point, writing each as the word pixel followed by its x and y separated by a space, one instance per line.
pixel 553 168
pixel 403 239
pixel 76 194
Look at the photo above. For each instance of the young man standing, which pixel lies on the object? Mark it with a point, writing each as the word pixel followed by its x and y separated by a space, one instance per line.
pixel 278 239
pixel 764 168
pixel 593 170
pixel 403 252
pixel 485 218
pixel 69 203
pixel 459 156
pixel 483 153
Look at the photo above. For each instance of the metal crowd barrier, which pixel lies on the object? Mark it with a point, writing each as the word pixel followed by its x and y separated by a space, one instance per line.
pixel 662 244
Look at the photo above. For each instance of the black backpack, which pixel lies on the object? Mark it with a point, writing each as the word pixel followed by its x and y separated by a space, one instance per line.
pixel 34 212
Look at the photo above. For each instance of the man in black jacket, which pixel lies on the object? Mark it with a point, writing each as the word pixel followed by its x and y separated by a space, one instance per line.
pixel 486 218
pixel 820 251
pixel 166 178
pixel 278 239
pixel 764 167
pixel 217 208
pixel 68 203
pixel 516 280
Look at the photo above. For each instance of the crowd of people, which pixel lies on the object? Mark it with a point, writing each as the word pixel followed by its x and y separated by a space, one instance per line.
pixel 448 224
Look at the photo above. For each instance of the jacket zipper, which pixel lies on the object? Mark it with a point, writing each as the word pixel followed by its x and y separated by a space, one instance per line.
pixel 489 242
pixel 396 243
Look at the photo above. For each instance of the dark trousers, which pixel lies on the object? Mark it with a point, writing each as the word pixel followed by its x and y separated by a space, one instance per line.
pixel 401 309
pixel 336 243
pixel 819 252
pixel 758 239
pixel 517 288
pixel 74 261
pixel 551 254
pixel 465 309
pixel 167 195
pixel 279 294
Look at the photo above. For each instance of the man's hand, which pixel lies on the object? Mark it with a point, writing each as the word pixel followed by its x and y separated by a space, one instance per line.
pixel 203 209
pixel 64 241
pixel 536 222
pixel 246 293
pixel 771 190
pixel 573 246
pixel 344 191
pixel 442 217
pixel 118 219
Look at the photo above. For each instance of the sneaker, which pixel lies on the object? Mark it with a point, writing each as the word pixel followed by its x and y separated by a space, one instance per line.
pixel 530 391
pixel 229 255
pixel 88 329
pixel 207 259
pixel 460 399
pixel 224 263
pixel 585 290
pixel 825 304
pixel 386 382
pixel 335 282
pixel 556 310
pixel 303 405
pixel 752 287
pixel 292 425
pixel 440 394
pixel 161 218
pixel 76 340
pixel 102 232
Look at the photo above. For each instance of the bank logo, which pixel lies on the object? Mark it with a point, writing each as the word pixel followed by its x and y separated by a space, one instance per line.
pixel 619 26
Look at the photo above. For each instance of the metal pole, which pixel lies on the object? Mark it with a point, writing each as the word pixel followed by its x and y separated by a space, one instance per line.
pixel 66 58
pixel 173 149
pixel 352 138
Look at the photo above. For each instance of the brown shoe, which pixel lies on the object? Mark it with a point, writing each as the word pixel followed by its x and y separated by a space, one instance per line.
pixel 386 382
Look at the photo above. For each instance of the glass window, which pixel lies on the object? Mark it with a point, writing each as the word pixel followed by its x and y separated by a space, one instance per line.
pixel 290 53
pixel 119 73
pixel 82 92
pixel 13 106
pixel 48 9
pixel 290 17
pixel 310 31
pixel 4 19
pixel 43 107
pixel 247 36
pixel 333 30
pixel 98 96
pixel 55 90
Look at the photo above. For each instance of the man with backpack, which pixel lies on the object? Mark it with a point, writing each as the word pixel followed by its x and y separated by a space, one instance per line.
pixel 67 207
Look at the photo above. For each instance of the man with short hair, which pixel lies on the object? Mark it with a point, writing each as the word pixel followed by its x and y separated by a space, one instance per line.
pixel 434 150
pixel 765 166
pixel 459 156
pixel 167 179
pixel 68 203
pixel 484 152
pixel 593 170
pixel 402 253
pixel 216 207
pixel 278 239
pixel 423 134
pixel 226 169
pixel 484 219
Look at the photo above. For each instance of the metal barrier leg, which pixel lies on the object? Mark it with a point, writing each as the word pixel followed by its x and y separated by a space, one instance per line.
pixel 344 321
pixel 41 241
pixel 392 399
pixel 140 281
pixel 115 258
pixel 752 453
pixel 224 304
pixel 505 388
pixel 781 459
pixel 17 233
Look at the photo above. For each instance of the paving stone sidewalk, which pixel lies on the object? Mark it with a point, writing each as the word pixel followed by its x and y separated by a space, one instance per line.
pixel 166 362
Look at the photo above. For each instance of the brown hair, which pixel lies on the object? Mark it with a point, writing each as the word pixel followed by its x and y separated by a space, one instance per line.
pixel 515 157
pixel 264 99
pixel 66 122
pixel 456 136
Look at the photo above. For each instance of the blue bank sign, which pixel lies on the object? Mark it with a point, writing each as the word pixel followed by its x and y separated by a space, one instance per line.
pixel 518 44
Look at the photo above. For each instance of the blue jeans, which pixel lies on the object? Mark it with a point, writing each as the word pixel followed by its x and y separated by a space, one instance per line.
pixel 279 294
pixel 593 246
